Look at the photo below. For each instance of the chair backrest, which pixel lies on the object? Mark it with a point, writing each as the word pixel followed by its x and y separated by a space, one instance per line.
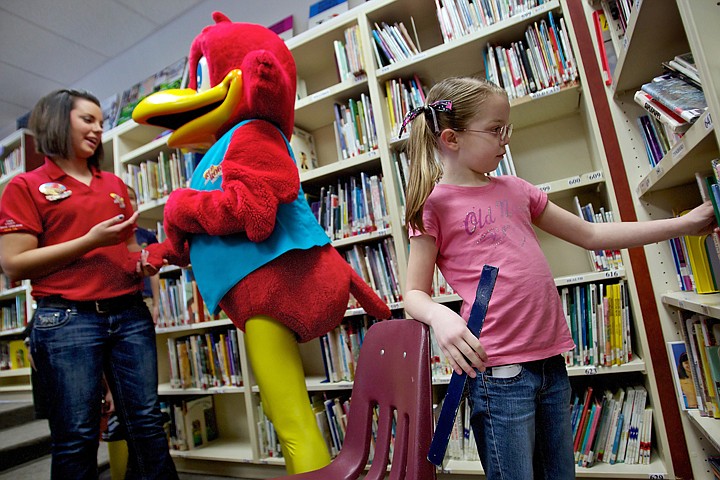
pixel 393 373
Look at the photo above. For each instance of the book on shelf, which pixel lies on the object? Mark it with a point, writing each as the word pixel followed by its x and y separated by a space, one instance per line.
pixel 675 122
pixel 684 64
pixel 324 10
pixel 606 49
pixel 283 28
pixel 200 421
pixel 673 92
pixel 172 76
pixel 681 371
pixel 303 147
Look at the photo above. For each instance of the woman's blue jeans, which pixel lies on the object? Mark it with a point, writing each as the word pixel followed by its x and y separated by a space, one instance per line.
pixel 522 424
pixel 71 349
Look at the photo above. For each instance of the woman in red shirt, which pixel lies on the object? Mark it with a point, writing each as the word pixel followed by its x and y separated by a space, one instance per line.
pixel 68 227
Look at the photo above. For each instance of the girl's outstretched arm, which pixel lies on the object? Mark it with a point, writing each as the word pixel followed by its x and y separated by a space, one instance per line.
pixel 594 236
pixel 462 350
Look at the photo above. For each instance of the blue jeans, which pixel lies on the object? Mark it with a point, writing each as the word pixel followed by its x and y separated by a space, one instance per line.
pixel 522 424
pixel 71 349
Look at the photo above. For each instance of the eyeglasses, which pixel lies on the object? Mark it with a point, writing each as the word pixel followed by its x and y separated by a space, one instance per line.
pixel 503 132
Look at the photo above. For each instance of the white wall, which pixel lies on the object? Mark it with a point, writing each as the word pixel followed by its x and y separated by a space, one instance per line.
pixel 172 42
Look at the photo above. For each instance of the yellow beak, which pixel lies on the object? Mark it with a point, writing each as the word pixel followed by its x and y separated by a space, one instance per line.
pixel 194 116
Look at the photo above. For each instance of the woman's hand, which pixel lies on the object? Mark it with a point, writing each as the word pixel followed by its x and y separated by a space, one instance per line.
pixel 112 231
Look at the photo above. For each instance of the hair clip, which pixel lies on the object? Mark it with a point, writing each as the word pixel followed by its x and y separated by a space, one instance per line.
pixel 432 108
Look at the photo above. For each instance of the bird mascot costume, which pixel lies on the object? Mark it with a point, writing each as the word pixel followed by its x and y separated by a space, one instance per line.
pixel 256 249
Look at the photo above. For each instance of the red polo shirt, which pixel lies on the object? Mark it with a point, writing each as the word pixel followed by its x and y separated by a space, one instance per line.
pixel 56 208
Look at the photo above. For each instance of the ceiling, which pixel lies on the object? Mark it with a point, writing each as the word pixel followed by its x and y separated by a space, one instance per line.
pixel 49 44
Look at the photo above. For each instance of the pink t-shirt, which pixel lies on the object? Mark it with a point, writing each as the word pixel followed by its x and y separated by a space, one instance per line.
pixel 492 225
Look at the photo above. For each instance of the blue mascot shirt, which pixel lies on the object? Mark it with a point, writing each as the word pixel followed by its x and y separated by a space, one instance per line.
pixel 219 262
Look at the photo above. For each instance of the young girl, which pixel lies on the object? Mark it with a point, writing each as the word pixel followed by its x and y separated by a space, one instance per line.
pixel 68 227
pixel 460 219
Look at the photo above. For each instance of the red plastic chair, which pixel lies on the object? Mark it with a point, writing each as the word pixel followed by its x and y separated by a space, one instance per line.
pixel 393 372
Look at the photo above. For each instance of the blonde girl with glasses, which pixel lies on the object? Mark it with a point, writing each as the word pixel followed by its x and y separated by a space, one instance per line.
pixel 460 218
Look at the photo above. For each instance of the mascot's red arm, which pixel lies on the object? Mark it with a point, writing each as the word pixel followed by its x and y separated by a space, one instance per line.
pixel 265 167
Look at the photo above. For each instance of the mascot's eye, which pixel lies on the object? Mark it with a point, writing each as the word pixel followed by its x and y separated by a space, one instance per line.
pixel 203 75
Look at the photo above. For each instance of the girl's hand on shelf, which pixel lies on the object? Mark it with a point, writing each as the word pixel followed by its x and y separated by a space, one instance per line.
pixel 701 220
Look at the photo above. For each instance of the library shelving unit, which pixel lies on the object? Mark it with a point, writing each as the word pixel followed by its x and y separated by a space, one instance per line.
pixel 17 154
pixel 656 32
pixel 559 143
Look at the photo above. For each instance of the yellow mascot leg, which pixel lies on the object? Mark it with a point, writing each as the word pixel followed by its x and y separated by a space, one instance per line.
pixel 118 458
pixel 275 358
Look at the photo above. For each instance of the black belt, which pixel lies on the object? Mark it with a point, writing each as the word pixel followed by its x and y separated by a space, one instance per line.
pixel 107 306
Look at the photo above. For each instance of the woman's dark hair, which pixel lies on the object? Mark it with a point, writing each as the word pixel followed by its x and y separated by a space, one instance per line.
pixel 681 369
pixel 50 124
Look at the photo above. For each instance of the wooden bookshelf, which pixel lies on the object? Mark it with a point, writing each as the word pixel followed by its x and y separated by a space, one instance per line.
pixel 657 32
pixel 560 144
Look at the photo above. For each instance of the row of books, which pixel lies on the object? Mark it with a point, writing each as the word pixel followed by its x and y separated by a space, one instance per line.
pixel 13 313
pixel 190 423
pixel 205 360
pixel 12 162
pixel 117 108
pixel 268 440
pixel 617 13
pixel 354 127
pixel 402 170
pixel 462 17
pixel 349 57
pixel 461 444
pixel 615 428
pixel 601 260
pixel 354 206
pixel 401 97
pixel 697 257
pixel 701 363
pixel 341 347
pixel 180 300
pixel 672 100
pixel 658 138
pixel 331 416
pixel 392 43
pixel 544 60
pixel 155 179
pixel 377 265
pixel 14 355
pixel 598 316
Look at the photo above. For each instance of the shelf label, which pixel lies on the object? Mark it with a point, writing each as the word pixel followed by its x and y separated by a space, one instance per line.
pixel 575 279
pixel 545 187
pixel 644 185
pixel 384 70
pixel 612 274
pixel 320 94
pixel 659 170
pixel 656 476
pixel 708 122
pixel 576 180
pixel 545 92
pixel 678 149
pixel 591 370
pixel 598 175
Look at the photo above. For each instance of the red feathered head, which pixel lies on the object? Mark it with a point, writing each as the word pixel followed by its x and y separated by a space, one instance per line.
pixel 267 66
pixel 238 71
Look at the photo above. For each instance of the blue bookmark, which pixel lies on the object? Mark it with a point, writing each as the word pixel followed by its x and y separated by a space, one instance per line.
pixel 457 382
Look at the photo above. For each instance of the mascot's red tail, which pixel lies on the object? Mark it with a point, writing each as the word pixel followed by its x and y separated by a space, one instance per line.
pixel 367 297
